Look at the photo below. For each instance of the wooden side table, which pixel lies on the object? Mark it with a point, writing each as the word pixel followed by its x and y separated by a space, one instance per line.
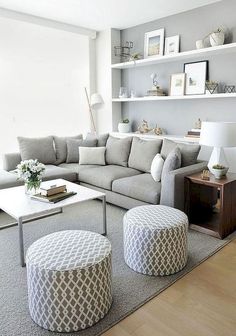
pixel 211 205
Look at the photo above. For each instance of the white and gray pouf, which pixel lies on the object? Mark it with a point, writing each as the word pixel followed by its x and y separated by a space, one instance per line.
pixel 69 280
pixel 155 239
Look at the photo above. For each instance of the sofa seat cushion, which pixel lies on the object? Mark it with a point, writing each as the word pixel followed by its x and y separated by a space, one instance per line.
pixel 104 176
pixel 76 168
pixel 9 180
pixel 53 172
pixel 141 187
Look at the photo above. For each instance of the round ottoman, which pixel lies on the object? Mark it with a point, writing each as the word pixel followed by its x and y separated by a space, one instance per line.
pixel 155 239
pixel 69 280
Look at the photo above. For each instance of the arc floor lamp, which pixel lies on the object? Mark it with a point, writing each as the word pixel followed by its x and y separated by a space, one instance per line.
pixel 94 102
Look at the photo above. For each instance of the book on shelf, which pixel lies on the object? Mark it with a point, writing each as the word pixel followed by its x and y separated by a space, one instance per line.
pixel 192 136
pixel 49 189
pixel 194 133
pixel 157 92
pixel 53 198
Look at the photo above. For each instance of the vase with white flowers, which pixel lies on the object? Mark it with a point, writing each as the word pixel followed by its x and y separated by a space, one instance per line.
pixel 31 172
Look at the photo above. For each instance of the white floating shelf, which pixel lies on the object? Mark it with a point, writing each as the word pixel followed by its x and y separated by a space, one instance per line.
pixel 179 138
pixel 186 55
pixel 187 97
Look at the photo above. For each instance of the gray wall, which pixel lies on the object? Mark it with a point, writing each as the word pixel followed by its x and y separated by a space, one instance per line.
pixel 176 117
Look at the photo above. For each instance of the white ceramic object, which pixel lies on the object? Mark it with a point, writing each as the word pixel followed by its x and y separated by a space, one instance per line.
pixel 200 44
pixel 219 173
pixel 217 39
pixel 124 127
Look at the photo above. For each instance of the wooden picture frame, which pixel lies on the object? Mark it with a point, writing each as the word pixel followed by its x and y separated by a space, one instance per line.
pixel 154 43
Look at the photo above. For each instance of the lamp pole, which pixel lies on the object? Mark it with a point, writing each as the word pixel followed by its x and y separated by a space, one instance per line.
pixel 90 111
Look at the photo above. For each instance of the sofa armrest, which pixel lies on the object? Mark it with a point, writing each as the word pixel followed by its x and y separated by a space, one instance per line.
pixel 172 187
pixel 11 160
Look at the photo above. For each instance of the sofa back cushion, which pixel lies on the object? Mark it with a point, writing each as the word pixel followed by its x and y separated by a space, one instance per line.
pixel 101 139
pixel 37 148
pixel 73 148
pixel 142 153
pixel 117 151
pixel 61 147
pixel 189 153
pixel 172 162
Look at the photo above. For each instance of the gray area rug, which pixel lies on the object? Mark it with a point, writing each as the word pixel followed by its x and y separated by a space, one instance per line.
pixel 130 289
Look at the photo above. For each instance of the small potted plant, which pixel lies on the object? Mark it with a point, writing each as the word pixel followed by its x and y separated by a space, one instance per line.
pixel 124 126
pixel 217 37
pixel 219 171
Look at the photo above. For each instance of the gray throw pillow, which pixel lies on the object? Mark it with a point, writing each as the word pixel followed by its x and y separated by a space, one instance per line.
pixel 172 162
pixel 101 139
pixel 189 153
pixel 73 148
pixel 117 151
pixel 167 147
pixel 61 147
pixel 142 153
pixel 37 148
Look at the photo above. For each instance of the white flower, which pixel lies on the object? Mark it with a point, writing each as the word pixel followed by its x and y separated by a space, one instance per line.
pixel 27 168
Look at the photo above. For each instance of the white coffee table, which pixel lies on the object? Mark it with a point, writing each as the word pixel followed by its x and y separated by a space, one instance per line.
pixel 24 209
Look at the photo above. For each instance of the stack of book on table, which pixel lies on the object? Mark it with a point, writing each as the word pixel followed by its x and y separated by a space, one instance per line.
pixel 194 133
pixel 52 193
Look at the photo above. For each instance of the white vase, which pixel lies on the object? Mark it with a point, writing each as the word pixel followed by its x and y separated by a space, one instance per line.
pixel 217 39
pixel 200 44
pixel 124 127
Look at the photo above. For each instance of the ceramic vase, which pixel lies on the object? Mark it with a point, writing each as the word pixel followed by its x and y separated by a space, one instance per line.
pixel 217 39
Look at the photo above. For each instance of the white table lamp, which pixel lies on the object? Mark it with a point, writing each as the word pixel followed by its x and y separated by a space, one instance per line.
pixel 95 102
pixel 218 135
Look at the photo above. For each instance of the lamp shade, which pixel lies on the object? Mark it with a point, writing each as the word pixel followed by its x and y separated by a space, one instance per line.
pixel 218 134
pixel 96 99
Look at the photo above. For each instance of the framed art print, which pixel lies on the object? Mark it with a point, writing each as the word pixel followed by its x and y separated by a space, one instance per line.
pixel 172 45
pixel 196 76
pixel 154 43
pixel 177 84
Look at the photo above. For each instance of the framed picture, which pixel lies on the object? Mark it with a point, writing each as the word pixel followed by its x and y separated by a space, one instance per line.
pixel 154 43
pixel 177 84
pixel 172 45
pixel 196 76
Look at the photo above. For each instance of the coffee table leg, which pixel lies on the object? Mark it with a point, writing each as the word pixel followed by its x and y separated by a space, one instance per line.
pixel 104 216
pixel 21 242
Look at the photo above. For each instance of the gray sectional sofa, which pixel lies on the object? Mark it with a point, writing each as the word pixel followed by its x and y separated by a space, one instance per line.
pixel 125 178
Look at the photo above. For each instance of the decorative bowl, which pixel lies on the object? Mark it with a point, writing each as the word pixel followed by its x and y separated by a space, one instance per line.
pixel 219 173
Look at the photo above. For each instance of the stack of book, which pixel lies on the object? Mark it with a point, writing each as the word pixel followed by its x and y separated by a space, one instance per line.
pixel 47 189
pixel 155 92
pixel 52 193
pixel 194 133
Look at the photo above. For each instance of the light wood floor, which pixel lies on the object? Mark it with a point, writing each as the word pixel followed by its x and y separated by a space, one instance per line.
pixel 202 303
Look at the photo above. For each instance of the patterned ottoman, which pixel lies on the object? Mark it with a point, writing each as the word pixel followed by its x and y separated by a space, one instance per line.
pixel 69 280
pixel 155 239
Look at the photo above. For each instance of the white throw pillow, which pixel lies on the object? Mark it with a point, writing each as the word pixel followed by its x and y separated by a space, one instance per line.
pixel 156 167
pixel 92 156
